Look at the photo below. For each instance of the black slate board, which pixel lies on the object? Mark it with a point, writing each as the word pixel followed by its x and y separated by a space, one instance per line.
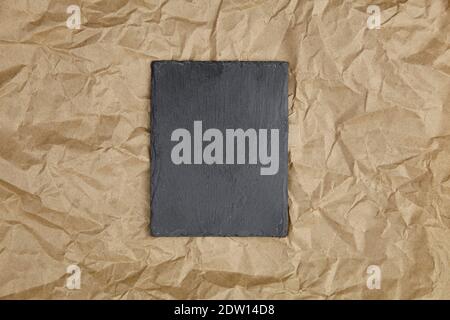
pixel 217 199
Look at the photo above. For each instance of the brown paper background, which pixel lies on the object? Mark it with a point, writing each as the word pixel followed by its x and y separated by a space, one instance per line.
pixel 369 149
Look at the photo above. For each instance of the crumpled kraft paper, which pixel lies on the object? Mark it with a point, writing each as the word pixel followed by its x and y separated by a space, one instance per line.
pixel 369 149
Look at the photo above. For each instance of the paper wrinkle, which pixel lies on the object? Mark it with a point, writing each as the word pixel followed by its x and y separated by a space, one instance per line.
pixel 369 141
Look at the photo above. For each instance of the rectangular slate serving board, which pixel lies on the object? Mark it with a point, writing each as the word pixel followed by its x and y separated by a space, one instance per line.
pixel 227 197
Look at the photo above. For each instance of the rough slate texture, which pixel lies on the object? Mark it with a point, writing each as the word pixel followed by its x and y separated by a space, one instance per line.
pixel 227 199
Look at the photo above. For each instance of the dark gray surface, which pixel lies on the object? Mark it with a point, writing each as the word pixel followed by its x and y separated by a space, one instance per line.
pixel 217 199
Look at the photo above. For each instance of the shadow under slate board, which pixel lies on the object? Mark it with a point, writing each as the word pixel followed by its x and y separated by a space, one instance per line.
pixel 219 152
